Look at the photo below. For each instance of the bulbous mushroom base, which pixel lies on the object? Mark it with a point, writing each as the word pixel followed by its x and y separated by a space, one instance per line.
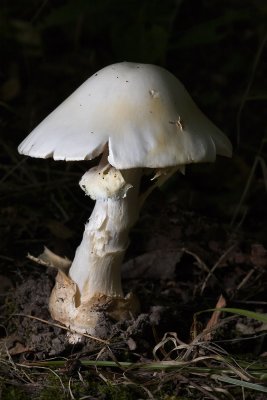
pixel 92 316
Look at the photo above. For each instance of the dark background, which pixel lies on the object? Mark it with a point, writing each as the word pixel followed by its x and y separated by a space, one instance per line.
pixel 48 48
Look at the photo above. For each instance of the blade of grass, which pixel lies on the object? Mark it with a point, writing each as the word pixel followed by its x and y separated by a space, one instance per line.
pixel 257 161
pixel 238 382
pixel 223 367
pixel 246 313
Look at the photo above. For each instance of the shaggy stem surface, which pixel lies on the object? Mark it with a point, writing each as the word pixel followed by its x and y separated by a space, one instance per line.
pixel 96 268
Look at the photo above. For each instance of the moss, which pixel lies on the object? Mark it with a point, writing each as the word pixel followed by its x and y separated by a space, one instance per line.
pixel 174 398
pixel 52 389
pixel 8 392
pixel 114 392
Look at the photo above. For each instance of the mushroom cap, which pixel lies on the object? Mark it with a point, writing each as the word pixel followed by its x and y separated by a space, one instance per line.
pixel 141 111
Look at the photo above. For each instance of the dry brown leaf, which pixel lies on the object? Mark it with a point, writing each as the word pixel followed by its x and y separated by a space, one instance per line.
pixel 214 319
pixel 158 264
pixel 59 230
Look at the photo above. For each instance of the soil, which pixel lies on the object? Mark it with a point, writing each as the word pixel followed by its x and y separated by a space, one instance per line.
pixel 174 276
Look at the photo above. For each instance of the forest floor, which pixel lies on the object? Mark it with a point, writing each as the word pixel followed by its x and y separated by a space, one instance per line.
pixel 180 264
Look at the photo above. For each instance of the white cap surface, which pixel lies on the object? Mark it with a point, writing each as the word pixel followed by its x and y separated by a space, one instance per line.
pixel 141 111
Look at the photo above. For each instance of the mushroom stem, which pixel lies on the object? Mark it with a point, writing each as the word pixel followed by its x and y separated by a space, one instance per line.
pixel 97 262
pixel 92 288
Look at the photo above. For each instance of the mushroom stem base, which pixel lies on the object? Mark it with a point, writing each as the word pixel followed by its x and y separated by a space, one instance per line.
pixel 94 316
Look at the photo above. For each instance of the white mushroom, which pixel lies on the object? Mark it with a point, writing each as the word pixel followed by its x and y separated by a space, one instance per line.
pixel 138 116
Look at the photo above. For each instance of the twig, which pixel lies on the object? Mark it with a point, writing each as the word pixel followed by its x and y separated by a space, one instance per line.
pixel 216 265
pixel 249 84
pixel 62 327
